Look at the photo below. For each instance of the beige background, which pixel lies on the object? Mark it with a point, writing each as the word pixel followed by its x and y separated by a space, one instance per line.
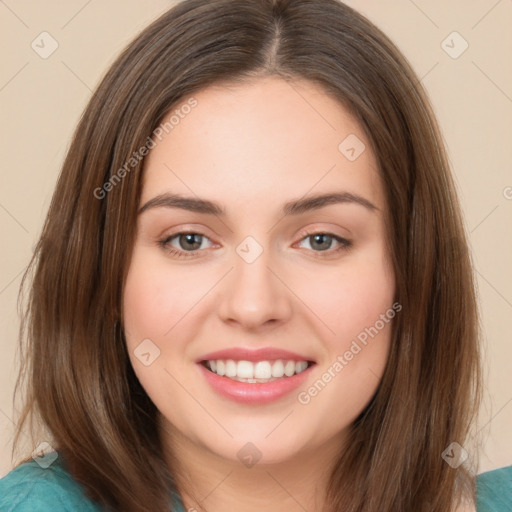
pixel 42 99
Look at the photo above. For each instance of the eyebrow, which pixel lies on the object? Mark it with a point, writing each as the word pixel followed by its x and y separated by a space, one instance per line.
pixel 295 207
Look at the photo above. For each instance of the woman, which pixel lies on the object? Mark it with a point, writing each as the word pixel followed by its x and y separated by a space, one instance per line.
pixel 316 346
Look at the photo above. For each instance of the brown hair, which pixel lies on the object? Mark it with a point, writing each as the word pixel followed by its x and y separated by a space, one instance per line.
pixel 79 381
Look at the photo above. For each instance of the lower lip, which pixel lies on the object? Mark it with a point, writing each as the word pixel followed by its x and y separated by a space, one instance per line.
pixel 254 393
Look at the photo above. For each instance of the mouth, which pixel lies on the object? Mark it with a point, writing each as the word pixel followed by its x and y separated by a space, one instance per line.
pixel 255 376
pixel 256 371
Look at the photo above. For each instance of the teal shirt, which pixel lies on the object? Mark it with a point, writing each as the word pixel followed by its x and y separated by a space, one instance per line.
pixel 31 488
pixel 494 491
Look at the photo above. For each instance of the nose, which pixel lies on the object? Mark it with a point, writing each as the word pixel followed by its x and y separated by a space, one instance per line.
pixel 254 295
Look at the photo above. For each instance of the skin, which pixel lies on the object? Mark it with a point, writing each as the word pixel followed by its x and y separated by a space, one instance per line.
pixel 251 148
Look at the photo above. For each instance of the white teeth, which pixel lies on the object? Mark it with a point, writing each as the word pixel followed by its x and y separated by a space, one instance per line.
pixel 278 369
pixel 221 367
pixel 248 371
pixel 300 366
pixel 289 368
pixel 230 368
pixel 245 370
pixel 262 370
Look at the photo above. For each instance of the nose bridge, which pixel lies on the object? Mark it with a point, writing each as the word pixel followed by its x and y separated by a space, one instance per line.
pixel 253 295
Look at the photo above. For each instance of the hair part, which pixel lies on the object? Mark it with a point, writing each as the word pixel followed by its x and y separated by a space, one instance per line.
pixel 76 373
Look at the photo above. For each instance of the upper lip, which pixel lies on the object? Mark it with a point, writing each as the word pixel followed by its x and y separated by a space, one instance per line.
pixel 260 354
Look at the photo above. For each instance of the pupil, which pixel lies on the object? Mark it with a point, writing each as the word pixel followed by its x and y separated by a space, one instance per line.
pixel 189 239
pixel 322 237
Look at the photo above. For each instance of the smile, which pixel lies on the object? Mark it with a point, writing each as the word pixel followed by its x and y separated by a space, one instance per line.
pixel 255 372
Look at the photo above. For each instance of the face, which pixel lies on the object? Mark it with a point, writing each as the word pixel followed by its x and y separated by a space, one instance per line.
pixel 260 279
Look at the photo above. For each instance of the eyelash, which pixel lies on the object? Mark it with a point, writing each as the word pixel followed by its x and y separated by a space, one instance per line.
pixel 345 244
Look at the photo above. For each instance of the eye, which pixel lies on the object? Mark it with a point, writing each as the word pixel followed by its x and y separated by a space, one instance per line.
pixel 322 242
pixel 189 244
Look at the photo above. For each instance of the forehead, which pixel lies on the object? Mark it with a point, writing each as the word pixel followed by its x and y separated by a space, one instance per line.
pixel 266 140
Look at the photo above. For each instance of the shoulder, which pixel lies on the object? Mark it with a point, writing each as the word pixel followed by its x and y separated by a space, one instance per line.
pixel 494 490
pixel 30 487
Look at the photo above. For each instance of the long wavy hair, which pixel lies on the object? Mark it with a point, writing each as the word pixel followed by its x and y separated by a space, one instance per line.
pixel 76 378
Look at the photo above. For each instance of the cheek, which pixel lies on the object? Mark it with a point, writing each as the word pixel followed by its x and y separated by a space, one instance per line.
pixel 144 303
pixel 358 306
pixel 354 297
pixel 153 301
pixel 152 306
